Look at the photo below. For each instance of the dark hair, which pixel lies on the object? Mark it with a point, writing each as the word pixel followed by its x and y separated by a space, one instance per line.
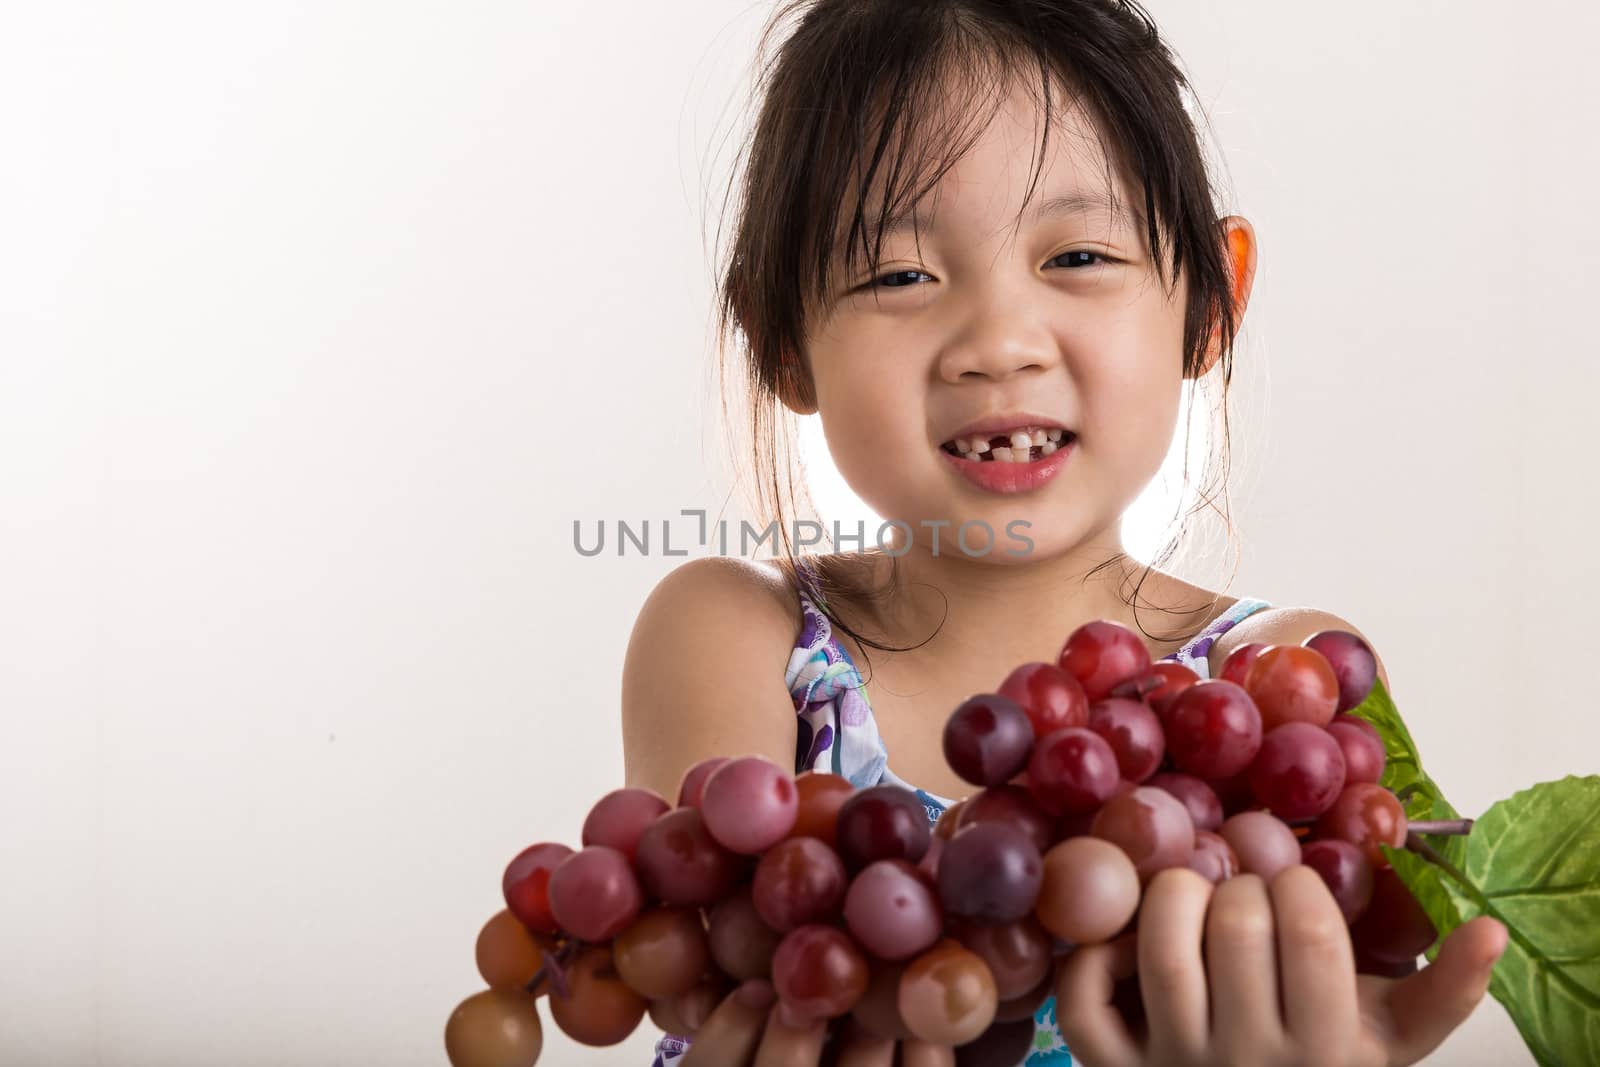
pixel 853 65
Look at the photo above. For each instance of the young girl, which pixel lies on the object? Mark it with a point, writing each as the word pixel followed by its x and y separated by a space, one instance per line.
pixel 1043 269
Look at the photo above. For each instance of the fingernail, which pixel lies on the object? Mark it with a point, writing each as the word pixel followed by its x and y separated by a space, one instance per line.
pixel 692 1012
pixel 756 993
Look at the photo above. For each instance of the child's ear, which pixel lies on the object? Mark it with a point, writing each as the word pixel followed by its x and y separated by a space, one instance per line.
pixel 795 387
pixel 1239 237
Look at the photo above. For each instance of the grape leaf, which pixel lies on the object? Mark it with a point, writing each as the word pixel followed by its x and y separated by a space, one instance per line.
pixel 1403 776
pixel 1532 861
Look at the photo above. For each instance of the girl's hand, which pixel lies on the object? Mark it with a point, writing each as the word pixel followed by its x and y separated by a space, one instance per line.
pixel 749 1029
pixel 1212 960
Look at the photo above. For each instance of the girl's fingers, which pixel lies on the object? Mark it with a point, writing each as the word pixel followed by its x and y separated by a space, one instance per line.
pixel 860 1047
pixel 1094 1029
pixel 1426 1006
pixel 788 1042
pixel 921 1054
pixel 1172 975
pixel 730 1034
pixel 1241 959
pixel 1317 964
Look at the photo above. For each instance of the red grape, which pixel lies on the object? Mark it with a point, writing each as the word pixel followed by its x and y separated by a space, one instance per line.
pixel 1360 723
pixel 878 1010
pixel 741 943
pixel 594 894
pixel 1299 771
pixel 1364 758
pixel 1025 1006
pixel 619 818
pixel 1205 809
pixel 1151 825
pixel 1291 683
pixel 987 739
pixel 681 863
pixel 990 871
pixel 798 881
pixel 892 911
pixel 1018 954
pixel 1090 890
pixel 526 885
pixel 1213 729
pixel 1134 733
pixel 1263 842
pixel 821 795
pixel 1213 857
pixel 693 784
pixel 749 804
pixel 1353 662
pixel 1367 815
pixel 1052 698
pixel 600 1008
pixel 1345 870
pixel 1236 668
pixel 1103 654
pixel 882 822
pixel 1072 771
pixel 1394 929
pixel 663 953
pixel 1173 678
pixel 1011 804
pixel 819 972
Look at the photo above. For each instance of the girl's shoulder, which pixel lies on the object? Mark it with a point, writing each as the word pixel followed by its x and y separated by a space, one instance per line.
pixel 1285 625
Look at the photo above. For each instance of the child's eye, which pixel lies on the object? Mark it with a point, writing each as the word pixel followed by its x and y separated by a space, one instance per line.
pixel 874 283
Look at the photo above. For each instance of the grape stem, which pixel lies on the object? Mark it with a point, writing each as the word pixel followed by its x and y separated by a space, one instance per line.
pixel 554 970
pixel 1442 827
pixel 1415 843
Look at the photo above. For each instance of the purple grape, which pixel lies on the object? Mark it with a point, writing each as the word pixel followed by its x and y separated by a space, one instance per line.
pixel 882 822
pixel 1346 871
pixel 1352 661
pixel 990 871
pixel 987 739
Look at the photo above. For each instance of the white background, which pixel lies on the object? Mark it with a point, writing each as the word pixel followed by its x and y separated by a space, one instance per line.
pixel 321 323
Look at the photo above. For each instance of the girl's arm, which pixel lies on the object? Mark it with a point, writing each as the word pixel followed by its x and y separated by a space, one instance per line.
pixel 704 673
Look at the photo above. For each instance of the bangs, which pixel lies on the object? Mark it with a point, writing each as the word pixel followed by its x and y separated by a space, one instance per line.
pixel 880 171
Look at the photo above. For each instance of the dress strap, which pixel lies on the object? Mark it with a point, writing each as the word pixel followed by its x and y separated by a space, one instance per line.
pixel 1193 655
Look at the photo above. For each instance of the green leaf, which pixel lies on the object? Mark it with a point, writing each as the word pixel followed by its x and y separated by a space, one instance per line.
pixel 1403 776
pixel 1532 861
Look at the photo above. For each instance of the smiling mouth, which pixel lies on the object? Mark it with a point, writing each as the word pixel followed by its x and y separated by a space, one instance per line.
pixel 1017 447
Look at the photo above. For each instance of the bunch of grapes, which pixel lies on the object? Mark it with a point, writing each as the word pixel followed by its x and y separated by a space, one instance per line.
pixel 1093 774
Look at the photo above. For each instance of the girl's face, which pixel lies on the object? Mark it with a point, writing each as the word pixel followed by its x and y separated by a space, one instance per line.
pixel 1064 318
